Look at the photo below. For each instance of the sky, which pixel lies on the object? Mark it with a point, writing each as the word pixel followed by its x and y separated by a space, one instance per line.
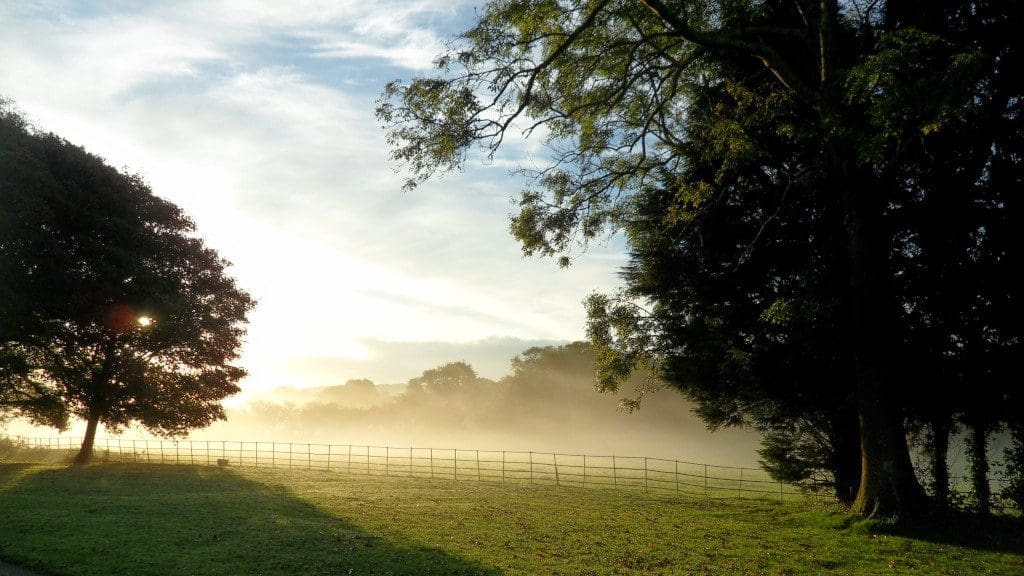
pixel 257 119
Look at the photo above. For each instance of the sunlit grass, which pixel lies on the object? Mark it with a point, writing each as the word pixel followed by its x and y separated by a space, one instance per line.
pixel 168 520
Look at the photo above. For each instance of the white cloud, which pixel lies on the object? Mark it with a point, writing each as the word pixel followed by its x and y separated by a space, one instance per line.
pixel 286 171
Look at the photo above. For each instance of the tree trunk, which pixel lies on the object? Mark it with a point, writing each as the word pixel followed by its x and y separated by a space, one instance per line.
pixel 978 457
pixel 846 456
pixel 941 426
pixel 85 453
pixel 888 485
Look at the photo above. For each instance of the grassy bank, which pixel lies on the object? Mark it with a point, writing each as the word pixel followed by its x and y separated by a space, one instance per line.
pixel 167 520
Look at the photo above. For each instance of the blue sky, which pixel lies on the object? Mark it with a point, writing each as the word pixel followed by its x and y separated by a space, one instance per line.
pixel 257 119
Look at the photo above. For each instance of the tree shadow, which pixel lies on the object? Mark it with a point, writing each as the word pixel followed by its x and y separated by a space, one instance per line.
pixel 997 533
pixel 165 520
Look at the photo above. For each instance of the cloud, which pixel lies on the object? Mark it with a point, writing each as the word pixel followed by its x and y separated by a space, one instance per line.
pixel 393 362
pixel 285 170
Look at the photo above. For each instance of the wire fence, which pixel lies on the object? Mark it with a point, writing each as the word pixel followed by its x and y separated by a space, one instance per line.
pixel 499 466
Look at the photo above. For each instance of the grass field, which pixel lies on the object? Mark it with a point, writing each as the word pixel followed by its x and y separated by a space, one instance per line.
pixel 176 519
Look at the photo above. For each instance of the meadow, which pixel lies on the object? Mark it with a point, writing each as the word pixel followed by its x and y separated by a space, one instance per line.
pixel 153 519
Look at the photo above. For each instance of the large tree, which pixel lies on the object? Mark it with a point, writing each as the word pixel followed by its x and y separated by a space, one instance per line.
pixel 740 131
pixel 114 311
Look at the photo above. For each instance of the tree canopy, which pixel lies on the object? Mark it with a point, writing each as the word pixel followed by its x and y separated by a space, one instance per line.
pixel 794 180
pixel 115 311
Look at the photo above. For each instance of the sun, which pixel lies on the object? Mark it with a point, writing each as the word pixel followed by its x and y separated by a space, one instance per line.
pixel 145 321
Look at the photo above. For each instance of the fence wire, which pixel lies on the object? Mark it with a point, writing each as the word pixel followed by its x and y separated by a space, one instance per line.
pixel 499 466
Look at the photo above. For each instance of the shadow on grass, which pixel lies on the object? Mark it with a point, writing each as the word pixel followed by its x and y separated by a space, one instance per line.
pixel 166 520
pixel 957 528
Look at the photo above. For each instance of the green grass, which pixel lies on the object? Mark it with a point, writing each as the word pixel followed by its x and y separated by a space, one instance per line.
pixel 177 519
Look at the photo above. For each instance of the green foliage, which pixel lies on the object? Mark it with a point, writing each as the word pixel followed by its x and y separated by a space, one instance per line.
pixel 86 252
pixel 1013 462
pixel 784 173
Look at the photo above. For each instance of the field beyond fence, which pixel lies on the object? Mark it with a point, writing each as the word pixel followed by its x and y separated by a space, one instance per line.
pixel 500 466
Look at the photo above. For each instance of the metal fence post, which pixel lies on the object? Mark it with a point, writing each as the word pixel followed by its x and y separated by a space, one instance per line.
pixel 677 475
pixel 531 467
pixel 645 474
pixel 329 446
pixel 554 458
pixel 741 483
pixel 615 473
pixel 502 466
pixel 431 462
pixel 584 470
pixel 309 457
pixel 705 480
pixel 456 463
pixel 477 465
pixel 410 461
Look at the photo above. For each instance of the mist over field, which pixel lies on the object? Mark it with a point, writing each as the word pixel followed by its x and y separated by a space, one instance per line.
pixel 547 402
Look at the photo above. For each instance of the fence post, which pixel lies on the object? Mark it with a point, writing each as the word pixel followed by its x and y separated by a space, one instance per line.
pixel 431 463
pixel 502 466
pixel 161 451
pixel 705 480
pixel 456 463
pixel 477 465
pixel 239 453
pixel 367 460
pixel 387 460
pixel 329 446
pixel 554 458
pixel 645 473
pixel 410 461
pixel 677 475
pixel 741 483
pixel 615 473
pixel 584 470
pixel 309 457
pixel 135 456
pixel 531 467
pixel 289 455
pixel 781 499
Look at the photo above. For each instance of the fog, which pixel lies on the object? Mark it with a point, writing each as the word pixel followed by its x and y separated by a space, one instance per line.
pixel 547 402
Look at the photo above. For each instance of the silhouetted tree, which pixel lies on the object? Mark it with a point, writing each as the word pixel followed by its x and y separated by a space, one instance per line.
pixel 803 118
pixel 446 380
pixel 118 312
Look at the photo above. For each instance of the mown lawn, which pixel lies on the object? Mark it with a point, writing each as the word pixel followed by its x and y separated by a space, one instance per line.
pixel 169 520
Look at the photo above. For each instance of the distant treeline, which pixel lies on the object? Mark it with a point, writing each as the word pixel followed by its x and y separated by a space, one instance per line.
pixel 548 400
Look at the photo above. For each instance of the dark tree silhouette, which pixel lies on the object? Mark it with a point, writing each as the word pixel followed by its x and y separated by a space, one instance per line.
pixel 775 151
pixel 446 380
pixel 117 312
